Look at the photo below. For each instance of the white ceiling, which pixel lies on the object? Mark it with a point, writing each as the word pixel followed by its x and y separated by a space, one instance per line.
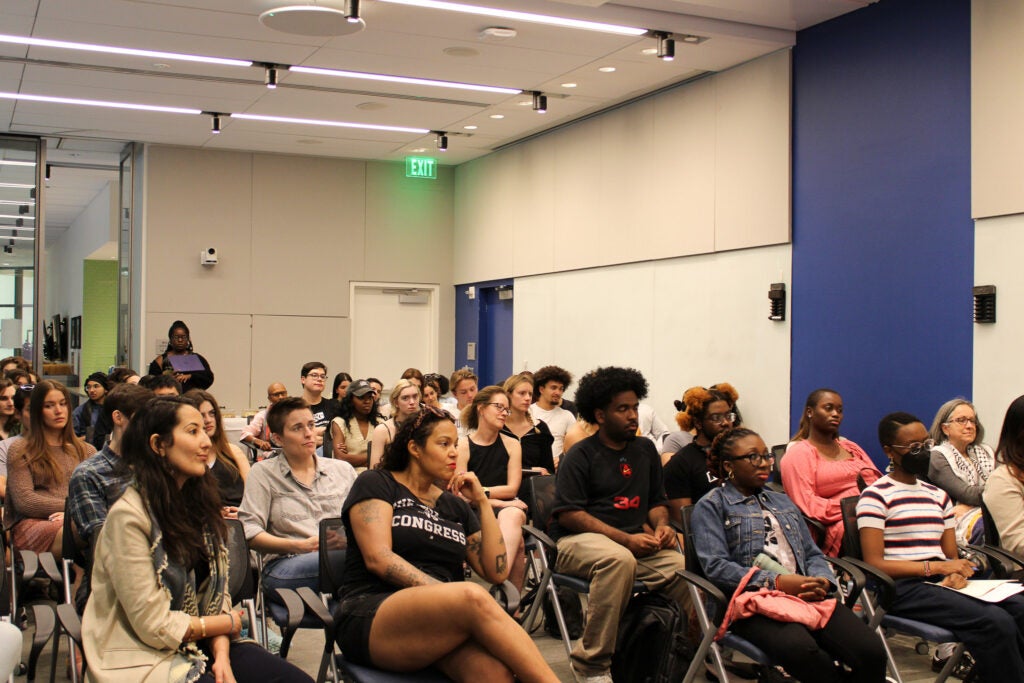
pixel 397 40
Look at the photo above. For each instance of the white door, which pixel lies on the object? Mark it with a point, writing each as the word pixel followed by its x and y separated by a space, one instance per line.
pixel 394 327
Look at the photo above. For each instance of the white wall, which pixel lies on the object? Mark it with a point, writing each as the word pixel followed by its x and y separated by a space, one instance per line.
pixel 687 321
pixel 998 370
pixel 95 227
pixel 292 233
pixel 701 168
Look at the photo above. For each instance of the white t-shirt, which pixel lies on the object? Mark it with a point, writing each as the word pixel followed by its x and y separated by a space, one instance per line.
pixel 558 420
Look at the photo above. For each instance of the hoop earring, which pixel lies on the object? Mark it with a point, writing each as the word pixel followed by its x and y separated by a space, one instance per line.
pixel 732 475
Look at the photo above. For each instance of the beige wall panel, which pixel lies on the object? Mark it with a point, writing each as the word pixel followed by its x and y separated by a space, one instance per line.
pixel 485 190
pixel 308 222
pixel 581 232
pixel 197 199
pixel 408 225
pixel 752 167
pixel 997 108
pixel 998 372
pixel 281 345
pixel 531 225
pixel 224 339
pixel 681 169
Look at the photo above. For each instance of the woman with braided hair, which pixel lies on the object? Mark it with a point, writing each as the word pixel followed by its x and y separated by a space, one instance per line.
pixel 740 525
pixel 708 412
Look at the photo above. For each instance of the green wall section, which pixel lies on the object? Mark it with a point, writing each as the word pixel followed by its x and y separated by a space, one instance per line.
pixel 99 316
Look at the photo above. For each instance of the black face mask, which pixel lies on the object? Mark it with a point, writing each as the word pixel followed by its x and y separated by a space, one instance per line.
pixel 917 463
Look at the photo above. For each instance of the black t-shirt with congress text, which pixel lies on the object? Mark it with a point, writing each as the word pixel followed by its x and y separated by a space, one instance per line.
pixel 617 487
pixel 432 539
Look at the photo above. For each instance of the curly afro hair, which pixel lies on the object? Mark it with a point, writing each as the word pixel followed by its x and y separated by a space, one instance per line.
pixel 597 387
pixel 696 401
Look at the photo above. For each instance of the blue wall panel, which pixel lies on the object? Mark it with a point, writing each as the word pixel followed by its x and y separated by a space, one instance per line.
pixel 883 242
pixel 467 322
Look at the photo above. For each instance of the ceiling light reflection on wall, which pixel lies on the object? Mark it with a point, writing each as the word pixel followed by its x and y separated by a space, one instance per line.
pixel 110 49
pixel 524 16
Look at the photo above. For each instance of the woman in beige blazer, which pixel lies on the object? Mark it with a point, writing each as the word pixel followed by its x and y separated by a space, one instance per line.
pixel 159 608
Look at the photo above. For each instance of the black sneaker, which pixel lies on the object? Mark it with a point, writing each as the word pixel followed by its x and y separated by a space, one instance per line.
pixel 962 669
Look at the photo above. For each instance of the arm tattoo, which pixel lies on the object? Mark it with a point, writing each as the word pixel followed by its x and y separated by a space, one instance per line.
pixel 473 545
pixel 501 563
pixel 400 573
pixel 368 513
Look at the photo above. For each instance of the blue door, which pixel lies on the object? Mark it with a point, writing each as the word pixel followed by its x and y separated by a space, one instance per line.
pixel 494 352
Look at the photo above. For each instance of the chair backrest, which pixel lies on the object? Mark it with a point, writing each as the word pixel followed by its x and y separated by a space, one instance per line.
pixel 542 492
pixel 851 535
pixel 991 531
pixel 71 545
pixel 240 582
pixel 332 554
pixel 778 451
pixel 689 547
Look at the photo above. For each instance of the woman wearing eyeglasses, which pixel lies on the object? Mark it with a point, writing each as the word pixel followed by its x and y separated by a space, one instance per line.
pixel 179 345
pixel 961 464
pixel 906 531
pixel 821 467
pixel 687 477
pixel 497 461
pixel 740 524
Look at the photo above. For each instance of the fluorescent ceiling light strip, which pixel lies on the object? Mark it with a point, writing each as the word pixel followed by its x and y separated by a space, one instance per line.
pixel 110 49
pixel 403 79
pixel 31 218
pixel 17 186
pixel 7 162
pixel 524 16
pixel 338 124
pixel 97 103
pixel 17 202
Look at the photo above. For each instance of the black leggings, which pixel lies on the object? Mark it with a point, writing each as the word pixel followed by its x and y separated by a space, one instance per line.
pixel 250 662
pixel 809 655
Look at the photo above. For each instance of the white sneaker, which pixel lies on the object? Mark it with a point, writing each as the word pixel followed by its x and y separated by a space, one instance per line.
pixel 606 677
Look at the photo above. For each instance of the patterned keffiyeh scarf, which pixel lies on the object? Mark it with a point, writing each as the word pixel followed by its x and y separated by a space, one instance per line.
pixel 973 468
pixel 180 584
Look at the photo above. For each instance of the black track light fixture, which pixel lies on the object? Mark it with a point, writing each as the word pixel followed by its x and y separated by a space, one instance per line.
pixel 442 140
pixel 48 168
pixel 666 46
pixel 215 123
pixel 352 11
pixel 270 77
pixel 540 102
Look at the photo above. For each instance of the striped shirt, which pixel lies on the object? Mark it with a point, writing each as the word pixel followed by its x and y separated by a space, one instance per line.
pixel 912 518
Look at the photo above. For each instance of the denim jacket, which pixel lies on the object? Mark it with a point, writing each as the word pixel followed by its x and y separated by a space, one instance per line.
pixel 728 530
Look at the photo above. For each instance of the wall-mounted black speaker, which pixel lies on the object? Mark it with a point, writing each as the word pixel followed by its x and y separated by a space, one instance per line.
pixel 777 301
pixel 985 304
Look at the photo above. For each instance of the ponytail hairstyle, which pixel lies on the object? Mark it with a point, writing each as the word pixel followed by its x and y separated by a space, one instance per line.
pixel 417 429
pixel 803 430
pixel 721 446
pixel 178 325
pixel 471 413
pixel 694 406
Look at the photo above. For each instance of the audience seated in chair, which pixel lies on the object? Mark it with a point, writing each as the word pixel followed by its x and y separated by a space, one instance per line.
pixel 408 542
pixel 1004 491
pixel 611 515
pixel 313 378
pixel 404 402
pixel 770 526
pixel 906 531
pixel 961 464
pixel 352 430
pixel 257 432
pixel 287 496
pixel 21 407
pixel 160 607
pixel 227 463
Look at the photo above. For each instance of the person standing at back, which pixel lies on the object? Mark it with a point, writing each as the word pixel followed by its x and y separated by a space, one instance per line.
pixel 179 360
pixel 313 378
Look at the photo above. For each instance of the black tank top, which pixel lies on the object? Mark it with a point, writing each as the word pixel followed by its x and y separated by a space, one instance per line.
pixel 229 483
pixel 489 463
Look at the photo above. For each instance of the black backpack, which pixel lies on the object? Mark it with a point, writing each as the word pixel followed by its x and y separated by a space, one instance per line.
pixel 652 646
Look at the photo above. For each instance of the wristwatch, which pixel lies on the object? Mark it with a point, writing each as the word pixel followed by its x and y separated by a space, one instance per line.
pixel 487 492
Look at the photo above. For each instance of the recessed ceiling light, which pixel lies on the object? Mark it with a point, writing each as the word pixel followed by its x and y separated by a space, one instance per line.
pixel 311 20
pixel 460 52
pixel 649 51
pixel 371 106
pixel 161 65
pixel 309 141
pixel 525 103
pixel 470 127
pixel 418 150
pixel 524 16
pixel 607 69
pixel 110 49
pixel 568 85
pixel 498 32
pixel 497 116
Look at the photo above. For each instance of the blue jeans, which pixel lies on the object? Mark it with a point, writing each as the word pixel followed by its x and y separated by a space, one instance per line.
pixel 291 572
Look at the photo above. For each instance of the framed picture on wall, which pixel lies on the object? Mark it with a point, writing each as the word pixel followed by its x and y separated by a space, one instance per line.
pixel 76 332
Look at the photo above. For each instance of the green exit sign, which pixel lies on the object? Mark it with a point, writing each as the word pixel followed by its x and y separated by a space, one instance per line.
pixel 421 167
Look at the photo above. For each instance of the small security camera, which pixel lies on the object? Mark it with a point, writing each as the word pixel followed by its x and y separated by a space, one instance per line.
pixel 208 256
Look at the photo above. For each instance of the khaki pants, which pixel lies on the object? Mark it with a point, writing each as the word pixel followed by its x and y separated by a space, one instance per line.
pixel 611 570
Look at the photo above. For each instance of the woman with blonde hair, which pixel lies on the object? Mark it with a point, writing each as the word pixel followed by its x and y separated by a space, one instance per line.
pixel 533 436
pixel 39 468
pixel 497 461
pixel 227 463
pixel 404 401
pixel 708 412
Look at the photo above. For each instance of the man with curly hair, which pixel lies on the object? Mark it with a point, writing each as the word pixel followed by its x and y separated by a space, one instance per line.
pixel 610 517
pixel 549 383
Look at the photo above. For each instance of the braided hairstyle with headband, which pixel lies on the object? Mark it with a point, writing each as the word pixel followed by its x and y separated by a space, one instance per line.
pixel 720 448
pixel 417 428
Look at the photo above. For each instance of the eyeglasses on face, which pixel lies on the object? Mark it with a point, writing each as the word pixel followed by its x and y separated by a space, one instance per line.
pixel 756 459
pixel 316 375
pixel 916 447
pixel 501 407
pixel 722 418
pixel 179 337
pixel 963 421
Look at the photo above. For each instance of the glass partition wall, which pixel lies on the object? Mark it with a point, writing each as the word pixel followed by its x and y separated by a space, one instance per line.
pixel 22 165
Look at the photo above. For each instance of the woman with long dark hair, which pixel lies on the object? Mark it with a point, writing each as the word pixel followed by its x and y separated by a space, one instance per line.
pixel 227 463
pixel 1004 490
pixel 160 608
pixel 408 540
pixel 179 345
pixel 39 468
pixel 9 423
